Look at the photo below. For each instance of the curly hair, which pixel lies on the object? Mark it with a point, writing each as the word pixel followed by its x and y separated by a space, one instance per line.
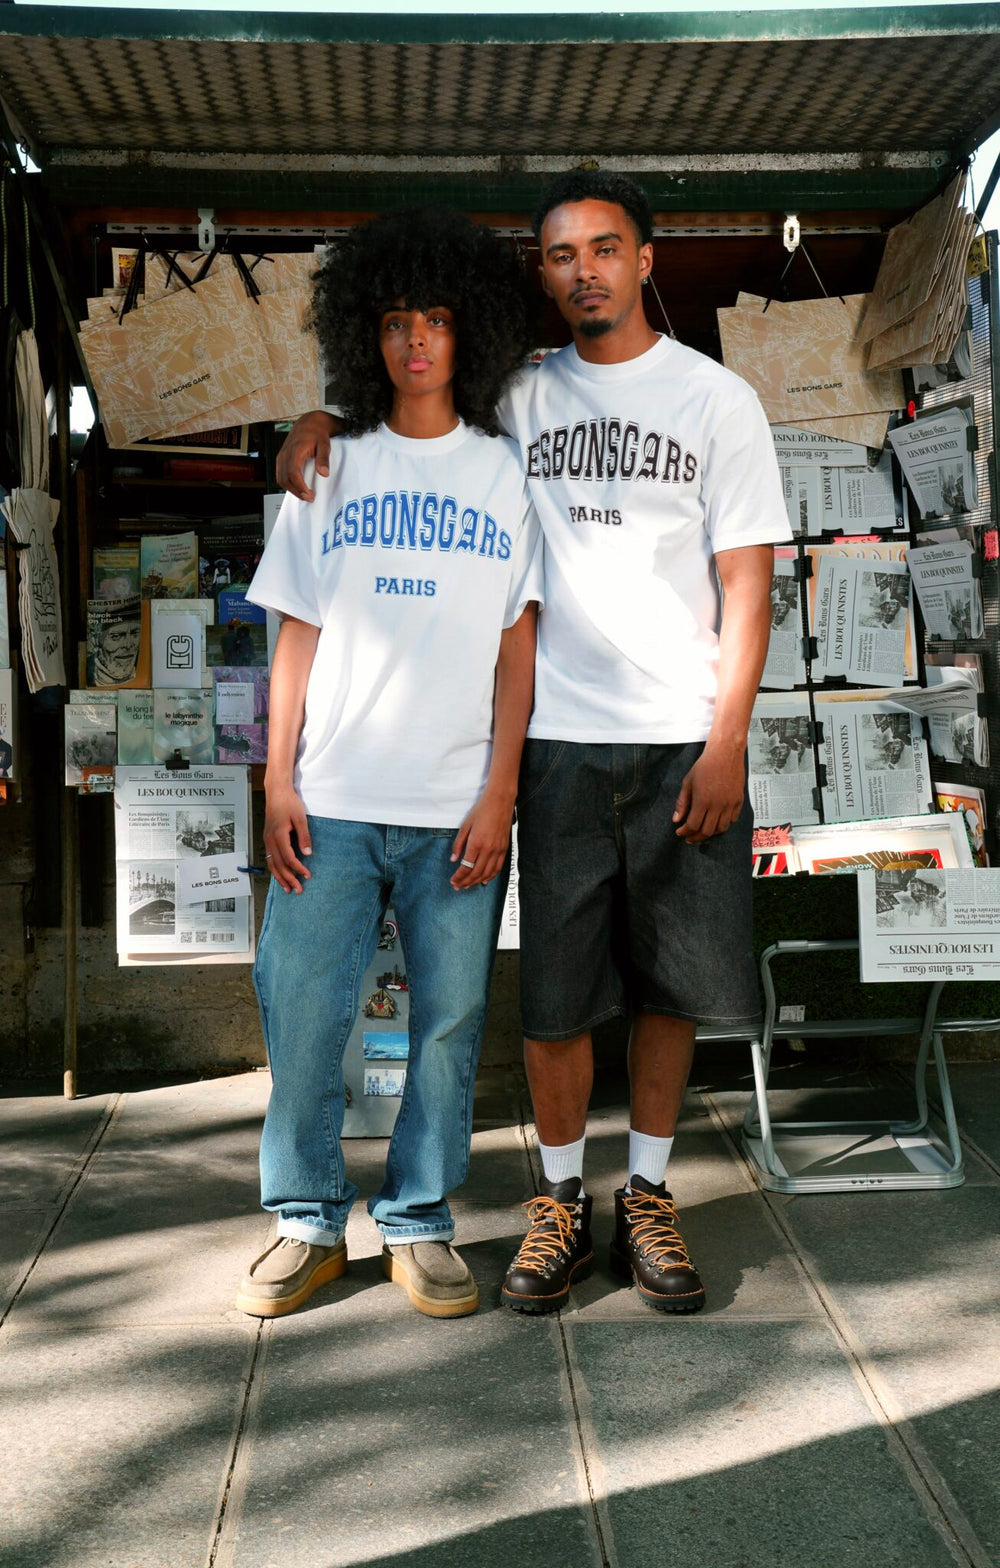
pixel 424 257
pixel 597 185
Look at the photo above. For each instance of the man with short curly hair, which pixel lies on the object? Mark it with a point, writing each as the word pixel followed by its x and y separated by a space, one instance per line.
pixel 654 476
pixel 400 690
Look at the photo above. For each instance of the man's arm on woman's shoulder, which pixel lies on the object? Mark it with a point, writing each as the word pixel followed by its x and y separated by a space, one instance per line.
pixel 309 437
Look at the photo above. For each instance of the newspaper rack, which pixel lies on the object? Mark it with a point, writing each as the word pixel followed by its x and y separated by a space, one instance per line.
pixel 849 1156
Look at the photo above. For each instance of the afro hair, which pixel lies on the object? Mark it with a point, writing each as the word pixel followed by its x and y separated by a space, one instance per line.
pixel 422 257
pixel 597 185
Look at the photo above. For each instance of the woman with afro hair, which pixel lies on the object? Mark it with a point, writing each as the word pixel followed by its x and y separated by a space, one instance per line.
pixel 407 587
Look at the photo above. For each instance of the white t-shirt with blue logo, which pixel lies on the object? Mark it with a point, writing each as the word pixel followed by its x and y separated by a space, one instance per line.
pixel 641 472
pixel 412 559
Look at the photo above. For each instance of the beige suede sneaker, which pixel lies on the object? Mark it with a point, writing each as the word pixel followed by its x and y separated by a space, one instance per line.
pixel 434 1277
pixel 286 1274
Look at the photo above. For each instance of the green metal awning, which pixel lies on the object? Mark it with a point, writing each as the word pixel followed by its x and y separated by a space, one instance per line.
pixel 117 103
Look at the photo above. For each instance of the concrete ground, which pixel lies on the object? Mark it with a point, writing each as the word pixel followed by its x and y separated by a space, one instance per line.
pixel 836 1405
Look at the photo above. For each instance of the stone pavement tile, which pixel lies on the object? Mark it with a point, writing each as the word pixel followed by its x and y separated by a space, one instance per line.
pixel 22 1232
pixel 423 1441
pixel 43 1138
pixel 747 1268
pixel 116 1446
pixel 742 1445
pixel 917 1277
pixel 167 1219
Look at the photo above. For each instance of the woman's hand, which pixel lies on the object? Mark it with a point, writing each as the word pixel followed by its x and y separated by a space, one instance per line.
pixel 308 438
pixel 481 843
pixel 285 826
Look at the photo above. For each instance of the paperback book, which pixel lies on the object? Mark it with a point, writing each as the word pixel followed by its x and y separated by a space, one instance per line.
pixel 169 566
pixel 182 723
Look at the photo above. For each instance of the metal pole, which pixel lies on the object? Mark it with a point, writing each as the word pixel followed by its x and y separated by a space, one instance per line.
pixel 70 845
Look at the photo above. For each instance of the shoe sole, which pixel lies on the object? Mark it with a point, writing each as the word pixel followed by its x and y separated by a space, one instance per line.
pixel 692 1302
pixel 331 1269
pixel 542 1304
pixel 461 1307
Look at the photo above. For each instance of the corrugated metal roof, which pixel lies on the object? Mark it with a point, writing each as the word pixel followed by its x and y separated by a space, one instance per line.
pixel 875 80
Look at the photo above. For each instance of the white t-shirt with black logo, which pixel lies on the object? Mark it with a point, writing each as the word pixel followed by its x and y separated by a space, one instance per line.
pixel 640 473
pixel 412 559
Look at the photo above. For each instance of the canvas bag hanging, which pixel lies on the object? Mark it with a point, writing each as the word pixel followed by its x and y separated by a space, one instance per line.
pixel 172 360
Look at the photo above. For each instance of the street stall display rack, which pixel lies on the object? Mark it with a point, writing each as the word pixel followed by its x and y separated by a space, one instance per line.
pixel 70 95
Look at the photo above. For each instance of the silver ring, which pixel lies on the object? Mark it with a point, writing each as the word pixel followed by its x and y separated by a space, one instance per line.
pixel 468 863
pixel 267 857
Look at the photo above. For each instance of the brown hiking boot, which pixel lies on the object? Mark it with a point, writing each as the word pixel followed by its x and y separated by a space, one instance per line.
pixel 649 1248
pixel 556 1252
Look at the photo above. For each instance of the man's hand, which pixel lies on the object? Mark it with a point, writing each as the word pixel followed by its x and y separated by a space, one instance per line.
pixel 711 795
pixel 309 437
pixel 284 815
pixel 483 839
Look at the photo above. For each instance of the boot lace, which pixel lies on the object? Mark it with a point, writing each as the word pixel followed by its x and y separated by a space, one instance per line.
pixel 549 1235
pixel 653 1225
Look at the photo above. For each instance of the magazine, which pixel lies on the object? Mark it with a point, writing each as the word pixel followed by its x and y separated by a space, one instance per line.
pixel 972 802
pixel 875 759
pixel 162 820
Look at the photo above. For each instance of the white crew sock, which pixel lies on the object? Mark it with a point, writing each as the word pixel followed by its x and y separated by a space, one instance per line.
pixel 561 1161
pixel 647 1157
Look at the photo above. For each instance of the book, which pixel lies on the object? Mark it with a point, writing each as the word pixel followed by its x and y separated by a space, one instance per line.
pixel 238 643
pixel 135 726
pixel 4 623
pixel 169 566
pixel 90 739
pixel 116 571
pixel 182 722
pixel 176 663
pixel 114 641
pixel 228 555
pixel 972 802
pixel 9 752
pixel 241 707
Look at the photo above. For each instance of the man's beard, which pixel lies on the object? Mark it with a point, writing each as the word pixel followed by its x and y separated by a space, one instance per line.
pixel 594 326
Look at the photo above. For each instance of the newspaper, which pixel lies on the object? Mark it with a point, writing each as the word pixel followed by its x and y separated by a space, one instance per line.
pixel 875 553
pixel 948 593
pixel 807 447
pixel 786 665
pixel 949 704
pixel 875 759
pixel 163 818
pixel 31 517
pixel 861 620
pixel 929 925
pixel 782 762
pixel 937 463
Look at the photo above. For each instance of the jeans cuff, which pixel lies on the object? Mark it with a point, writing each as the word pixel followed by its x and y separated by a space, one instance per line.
pixel 402 1236
pixel 310 1231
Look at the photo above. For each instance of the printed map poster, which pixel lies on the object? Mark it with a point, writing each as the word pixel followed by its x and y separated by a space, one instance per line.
pixel 929 925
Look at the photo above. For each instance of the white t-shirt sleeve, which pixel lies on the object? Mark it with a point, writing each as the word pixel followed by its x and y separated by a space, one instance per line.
pixel 507 406
pixel 526 577
pixel 285 580
pixel 741 491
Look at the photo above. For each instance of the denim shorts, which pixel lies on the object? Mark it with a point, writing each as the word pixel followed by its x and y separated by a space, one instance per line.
pixel 618 914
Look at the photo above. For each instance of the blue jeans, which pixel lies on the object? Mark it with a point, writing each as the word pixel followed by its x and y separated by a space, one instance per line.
pixel 314 948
